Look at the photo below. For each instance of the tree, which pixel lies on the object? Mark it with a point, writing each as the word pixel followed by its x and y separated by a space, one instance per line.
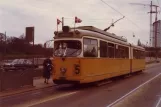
pixel 2 42
pixel 2 37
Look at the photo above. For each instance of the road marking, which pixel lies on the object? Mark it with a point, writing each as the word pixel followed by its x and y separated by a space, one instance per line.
pixel 36 93
pixel 33 103
pixel 118 100
pixel 158 103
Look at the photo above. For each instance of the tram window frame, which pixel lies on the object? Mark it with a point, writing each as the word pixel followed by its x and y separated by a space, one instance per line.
pixel 135 54
pixel 110 53
pixel 96 47
pixel 127 52
pixel 138 54
pixel 58 42
pixel 117 51
pixel 121 52
pixel 142 55
pixel 103 49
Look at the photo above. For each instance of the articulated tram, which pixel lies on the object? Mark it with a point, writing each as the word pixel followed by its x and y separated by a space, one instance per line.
pixel 87 54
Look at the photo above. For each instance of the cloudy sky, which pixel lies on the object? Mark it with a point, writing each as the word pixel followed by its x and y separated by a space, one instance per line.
pixel 15 15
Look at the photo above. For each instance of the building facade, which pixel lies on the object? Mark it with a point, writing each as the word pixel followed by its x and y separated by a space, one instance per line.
pixel 156 38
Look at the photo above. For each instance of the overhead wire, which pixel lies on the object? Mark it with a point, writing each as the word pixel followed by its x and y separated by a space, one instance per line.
pixel 93 21
pixel 87 19
pixel 112 8
pixel 90 20
pixel 121 14
pixel 158 2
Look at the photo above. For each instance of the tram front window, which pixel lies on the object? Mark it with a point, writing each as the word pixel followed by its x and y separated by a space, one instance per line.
pixel 68 48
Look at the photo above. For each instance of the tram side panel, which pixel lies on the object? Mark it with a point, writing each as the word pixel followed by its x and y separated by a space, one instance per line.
pixel 138 61
pixel 125 66
pixel 103 68
pixel 91 69
pixel 138 65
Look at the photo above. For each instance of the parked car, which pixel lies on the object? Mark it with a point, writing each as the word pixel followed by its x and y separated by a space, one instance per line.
pixel 19 64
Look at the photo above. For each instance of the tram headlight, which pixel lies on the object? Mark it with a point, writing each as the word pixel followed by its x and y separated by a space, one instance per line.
pixel 77 32
pixel 77 69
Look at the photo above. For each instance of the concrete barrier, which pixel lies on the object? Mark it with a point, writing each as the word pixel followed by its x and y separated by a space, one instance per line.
pixel 1 70
pixel 15 79
pixel 38 73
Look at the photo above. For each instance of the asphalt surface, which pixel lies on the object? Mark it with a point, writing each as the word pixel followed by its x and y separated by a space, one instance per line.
pixel 147 95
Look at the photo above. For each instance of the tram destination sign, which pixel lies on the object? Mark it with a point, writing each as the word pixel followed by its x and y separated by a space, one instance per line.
pixel 68 34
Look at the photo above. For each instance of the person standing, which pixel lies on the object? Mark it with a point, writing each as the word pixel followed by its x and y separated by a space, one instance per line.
pixel 47 68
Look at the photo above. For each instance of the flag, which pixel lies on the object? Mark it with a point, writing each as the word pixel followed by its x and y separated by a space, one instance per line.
pixel 58 21
pixel 77 20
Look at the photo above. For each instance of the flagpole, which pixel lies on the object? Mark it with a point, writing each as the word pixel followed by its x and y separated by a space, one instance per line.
pixel 57 27
pixel 74 23
pixel 62 22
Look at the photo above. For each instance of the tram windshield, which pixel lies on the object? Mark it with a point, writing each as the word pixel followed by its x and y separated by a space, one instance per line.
pixel 68 48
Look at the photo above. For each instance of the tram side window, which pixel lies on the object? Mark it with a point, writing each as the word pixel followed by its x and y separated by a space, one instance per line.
pixel 90 47
pixel 103 49
pixel 135 54
pixel 138 54
pixel 111 50
pixel 117 51
pixel 126 52
pixel 122 52
pixel 142 55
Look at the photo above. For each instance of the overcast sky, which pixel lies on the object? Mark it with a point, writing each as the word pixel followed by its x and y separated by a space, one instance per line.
pixel 15 15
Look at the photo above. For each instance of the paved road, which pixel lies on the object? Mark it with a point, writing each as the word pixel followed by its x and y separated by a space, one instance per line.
pixel 84 96
pixel 147 96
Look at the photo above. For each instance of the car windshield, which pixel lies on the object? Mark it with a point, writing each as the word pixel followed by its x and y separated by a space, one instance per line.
pixel 21 61
pixel 15 61
pixel 69 48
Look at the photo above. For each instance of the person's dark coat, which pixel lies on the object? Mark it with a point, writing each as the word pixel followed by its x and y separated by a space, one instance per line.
pixel 47 68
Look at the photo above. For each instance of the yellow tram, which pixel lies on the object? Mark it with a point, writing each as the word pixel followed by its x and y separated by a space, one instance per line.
pixel 87 54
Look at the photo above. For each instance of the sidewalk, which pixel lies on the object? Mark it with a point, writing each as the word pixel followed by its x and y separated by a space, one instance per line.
pixel 38 83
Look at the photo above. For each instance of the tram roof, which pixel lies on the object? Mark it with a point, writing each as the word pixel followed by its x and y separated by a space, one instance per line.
pixel 94 29
pixel 106 34
pixel 98 33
